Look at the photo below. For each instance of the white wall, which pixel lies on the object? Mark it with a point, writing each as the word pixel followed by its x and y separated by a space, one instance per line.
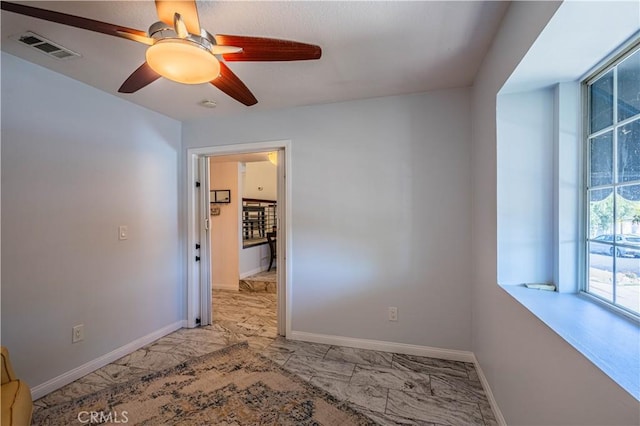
pixel 568 156
pixel 380 213
pixel 536 377
pixel 225 228
pixel 76 164
pixel 253 260
pixel 525 177
pixel 260 174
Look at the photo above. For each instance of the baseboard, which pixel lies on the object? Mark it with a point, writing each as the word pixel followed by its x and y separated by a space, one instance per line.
pixel 253 271
pixel 489 393
pixel 64 379
pixel 223 286
pixel 379 345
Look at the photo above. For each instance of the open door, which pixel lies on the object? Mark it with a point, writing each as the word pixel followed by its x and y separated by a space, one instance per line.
pixel 280 248
pixel 199 297
pixel 205 248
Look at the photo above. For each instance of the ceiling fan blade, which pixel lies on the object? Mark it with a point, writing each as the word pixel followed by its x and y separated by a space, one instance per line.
pixel 267 49
pixel 141 77
pixel 230 84
pixel 76 21
pixel 187 10
pixel 224 50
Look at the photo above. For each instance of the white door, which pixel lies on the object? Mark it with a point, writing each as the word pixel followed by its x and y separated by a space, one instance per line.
pixel 205 248
pixel 281 246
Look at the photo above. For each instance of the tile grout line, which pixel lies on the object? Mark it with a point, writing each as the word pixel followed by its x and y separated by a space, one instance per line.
pixel 481 414
pixel 386 402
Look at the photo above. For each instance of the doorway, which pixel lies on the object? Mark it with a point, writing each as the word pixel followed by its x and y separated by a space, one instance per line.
pixel 199 307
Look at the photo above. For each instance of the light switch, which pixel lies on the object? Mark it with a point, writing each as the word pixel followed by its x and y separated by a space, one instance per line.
pixel 123 232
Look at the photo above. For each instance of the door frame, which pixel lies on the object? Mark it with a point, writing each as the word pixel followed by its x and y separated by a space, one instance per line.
pixel 194 223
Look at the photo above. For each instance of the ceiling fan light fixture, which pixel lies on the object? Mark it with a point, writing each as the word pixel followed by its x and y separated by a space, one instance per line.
pixel 180 49
pixel 183 60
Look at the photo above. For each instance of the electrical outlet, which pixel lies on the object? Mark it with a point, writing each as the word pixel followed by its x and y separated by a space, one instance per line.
pixel 393 313
pixel 78 333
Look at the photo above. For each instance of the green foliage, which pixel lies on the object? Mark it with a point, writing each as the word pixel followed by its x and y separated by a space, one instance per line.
pixel 601 214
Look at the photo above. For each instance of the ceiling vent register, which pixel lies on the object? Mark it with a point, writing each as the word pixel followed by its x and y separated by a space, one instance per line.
pixel 45 46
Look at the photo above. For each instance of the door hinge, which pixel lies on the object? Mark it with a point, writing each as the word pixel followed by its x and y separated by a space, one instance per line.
pixel 197 321
pixel 197 246
pixel 197 184
pixel 197 258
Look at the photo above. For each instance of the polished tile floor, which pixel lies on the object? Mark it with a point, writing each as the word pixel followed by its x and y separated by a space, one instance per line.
pixel 265 281
pixel 392 389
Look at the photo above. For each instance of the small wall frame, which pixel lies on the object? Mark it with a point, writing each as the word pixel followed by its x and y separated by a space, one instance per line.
pixel 220 196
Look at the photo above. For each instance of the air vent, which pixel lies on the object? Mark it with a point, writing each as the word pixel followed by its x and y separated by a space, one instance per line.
pixel 45 46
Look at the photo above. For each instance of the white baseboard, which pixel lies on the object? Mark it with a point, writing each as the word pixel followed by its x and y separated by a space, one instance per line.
pixel 379 345
pixel 254 271
pixel 489 393
pixel 64 379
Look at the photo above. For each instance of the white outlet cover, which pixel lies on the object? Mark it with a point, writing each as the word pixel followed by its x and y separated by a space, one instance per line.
pixel 393 313
pixel 78 333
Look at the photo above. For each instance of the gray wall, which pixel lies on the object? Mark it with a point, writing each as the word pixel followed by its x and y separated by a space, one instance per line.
pixel 536 376
pixel 380 213
pixel 76 164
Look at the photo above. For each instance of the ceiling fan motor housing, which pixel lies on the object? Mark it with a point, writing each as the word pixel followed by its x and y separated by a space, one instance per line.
pixel 161 31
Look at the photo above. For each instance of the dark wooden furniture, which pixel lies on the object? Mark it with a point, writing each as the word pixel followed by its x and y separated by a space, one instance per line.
pixel 271 239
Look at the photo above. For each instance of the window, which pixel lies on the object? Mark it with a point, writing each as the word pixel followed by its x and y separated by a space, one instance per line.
pixel 613 181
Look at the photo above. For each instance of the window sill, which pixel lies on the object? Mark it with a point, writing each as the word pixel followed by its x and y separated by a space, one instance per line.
pixel 607 339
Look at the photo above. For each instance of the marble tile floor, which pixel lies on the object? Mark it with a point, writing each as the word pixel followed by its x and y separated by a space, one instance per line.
pixel 265 281
pixel 391 389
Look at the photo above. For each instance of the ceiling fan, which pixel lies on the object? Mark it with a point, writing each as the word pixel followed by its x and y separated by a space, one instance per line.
pixel 180 50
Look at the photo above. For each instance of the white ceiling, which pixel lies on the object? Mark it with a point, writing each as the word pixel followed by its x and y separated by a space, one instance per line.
pixel 369 49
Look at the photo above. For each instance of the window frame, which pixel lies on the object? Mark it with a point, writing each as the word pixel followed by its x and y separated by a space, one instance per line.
pixel 611 62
